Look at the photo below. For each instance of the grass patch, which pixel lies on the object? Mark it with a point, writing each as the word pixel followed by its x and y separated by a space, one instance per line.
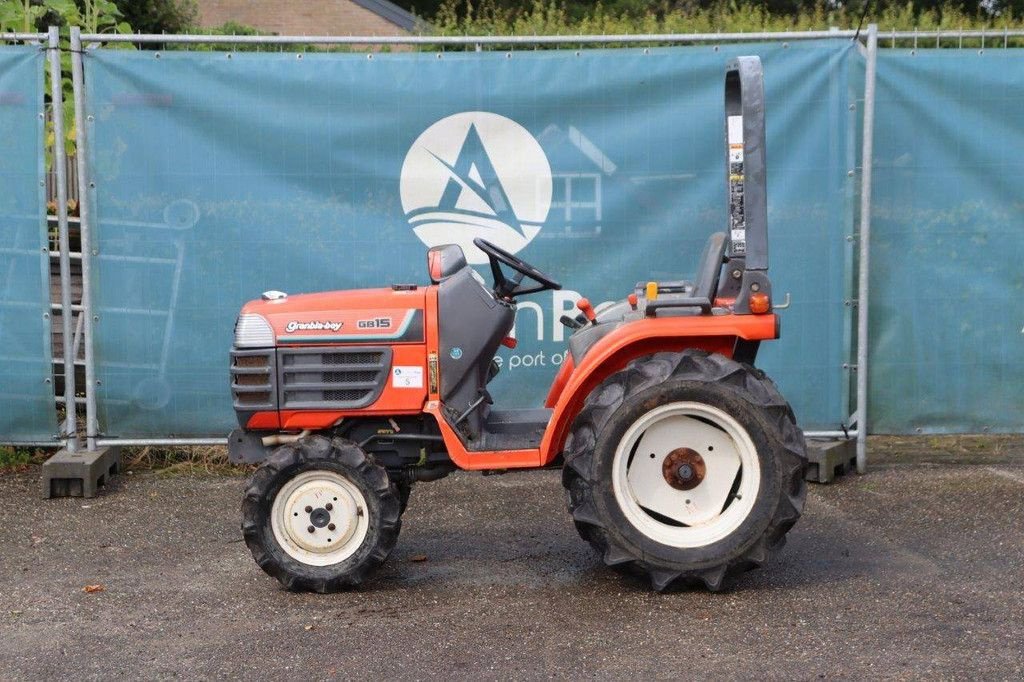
pixel 194 460
pixel 19 459
pixel 191 460
pixel 963 448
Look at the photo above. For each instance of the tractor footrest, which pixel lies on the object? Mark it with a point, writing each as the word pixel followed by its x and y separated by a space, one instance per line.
pixel 80 473
pixel 827 459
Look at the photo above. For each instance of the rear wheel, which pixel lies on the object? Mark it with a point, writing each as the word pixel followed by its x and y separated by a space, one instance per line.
pixel 320 515
pixel 686 467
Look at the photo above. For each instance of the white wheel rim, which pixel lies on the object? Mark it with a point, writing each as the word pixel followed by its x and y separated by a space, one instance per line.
pixel 330 504
pixel 711 510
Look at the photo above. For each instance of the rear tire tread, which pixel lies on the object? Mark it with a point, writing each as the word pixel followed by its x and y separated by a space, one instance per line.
pixel 754 386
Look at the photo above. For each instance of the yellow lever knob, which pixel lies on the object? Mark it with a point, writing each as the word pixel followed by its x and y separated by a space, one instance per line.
pixel 652 291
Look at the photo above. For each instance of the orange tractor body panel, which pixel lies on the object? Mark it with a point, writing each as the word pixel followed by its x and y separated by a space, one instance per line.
pixel 348 319
pixel 480 461
pixel 715 334
pixel 359 316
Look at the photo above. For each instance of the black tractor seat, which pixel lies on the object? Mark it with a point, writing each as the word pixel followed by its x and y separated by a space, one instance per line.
pixel 697 294
pixel 678 297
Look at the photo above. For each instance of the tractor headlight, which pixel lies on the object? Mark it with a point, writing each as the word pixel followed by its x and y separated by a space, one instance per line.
pixel 253 331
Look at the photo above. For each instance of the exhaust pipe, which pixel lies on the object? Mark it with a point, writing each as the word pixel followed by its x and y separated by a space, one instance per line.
pixel 282 438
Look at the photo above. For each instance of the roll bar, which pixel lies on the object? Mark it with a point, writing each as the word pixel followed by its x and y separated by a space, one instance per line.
pixel 746 269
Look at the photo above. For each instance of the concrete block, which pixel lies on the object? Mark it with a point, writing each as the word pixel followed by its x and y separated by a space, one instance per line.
pixel 828 459
pixel 81 473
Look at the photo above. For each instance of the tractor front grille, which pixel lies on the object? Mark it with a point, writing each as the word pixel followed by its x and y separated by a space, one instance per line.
pixel 354 357
pixel 253 374
pixel 315 378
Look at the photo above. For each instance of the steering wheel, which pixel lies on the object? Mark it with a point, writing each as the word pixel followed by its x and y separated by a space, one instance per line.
pixel 510 288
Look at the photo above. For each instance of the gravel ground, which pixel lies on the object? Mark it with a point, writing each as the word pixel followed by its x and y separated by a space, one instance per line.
pixel 914 570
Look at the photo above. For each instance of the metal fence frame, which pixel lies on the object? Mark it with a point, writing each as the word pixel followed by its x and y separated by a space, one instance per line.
pixel 76 329
pixel 80 42
pixel 69 350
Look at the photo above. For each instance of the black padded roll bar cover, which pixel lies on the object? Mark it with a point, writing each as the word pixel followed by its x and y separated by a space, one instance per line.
pixel 444 261
pixel 744 96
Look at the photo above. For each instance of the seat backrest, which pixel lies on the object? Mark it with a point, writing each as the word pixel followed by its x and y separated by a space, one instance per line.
pixel 705 283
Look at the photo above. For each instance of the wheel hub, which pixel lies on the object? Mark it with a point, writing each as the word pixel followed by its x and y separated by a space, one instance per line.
pixel 320 517
pixel 683 469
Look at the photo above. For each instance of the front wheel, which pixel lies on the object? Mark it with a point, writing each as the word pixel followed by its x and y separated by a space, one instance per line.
pixel 686 467
pixel 320 515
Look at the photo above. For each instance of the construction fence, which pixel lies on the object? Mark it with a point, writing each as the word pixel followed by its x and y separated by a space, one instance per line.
pixel 209 177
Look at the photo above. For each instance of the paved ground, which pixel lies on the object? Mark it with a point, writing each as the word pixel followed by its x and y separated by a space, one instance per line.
pixel 914 570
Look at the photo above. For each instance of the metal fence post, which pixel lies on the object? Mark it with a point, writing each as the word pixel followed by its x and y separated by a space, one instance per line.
pixel 863 276
pixel 60 170
pixel 85 224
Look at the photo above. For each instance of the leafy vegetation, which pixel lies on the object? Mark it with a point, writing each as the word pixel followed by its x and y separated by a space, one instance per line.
pixel 550 17
pixel 93 16
pixel 646 12
pixel 35 16
pixel 99 16
pixel 20 16
pixel 231 28
pixel 17 458
pixel 160 16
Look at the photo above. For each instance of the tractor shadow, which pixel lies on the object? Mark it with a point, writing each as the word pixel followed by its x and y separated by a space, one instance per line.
pixel 456 558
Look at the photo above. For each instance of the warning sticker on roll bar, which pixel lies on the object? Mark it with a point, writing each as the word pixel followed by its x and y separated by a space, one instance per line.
pixel 737 221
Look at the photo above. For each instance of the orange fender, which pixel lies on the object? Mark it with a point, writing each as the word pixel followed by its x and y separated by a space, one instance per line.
pixel 713 333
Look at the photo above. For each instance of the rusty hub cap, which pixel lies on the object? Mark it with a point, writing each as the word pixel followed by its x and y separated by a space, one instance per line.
pixel 683 469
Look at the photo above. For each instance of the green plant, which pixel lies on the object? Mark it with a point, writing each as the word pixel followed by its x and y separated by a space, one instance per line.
pixel 230 28
pixel 15 458
pixel 92 16
pixel 552 17
pixel 21 16
pixel 160 16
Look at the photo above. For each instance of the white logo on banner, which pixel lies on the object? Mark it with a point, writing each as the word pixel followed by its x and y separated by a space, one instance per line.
pixel 476 174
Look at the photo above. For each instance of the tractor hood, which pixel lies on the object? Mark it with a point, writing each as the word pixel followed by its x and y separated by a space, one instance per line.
pixel 390 315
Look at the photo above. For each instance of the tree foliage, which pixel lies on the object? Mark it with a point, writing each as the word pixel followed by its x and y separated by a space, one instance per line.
pixel 99 16
pixel 160 16
pixel 625 16
pixel 93 16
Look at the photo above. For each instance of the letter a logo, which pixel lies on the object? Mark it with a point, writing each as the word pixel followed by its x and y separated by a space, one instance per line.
pixel 476 174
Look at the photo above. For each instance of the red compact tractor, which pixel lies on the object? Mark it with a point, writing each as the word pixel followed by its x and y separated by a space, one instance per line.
pixel 681 461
